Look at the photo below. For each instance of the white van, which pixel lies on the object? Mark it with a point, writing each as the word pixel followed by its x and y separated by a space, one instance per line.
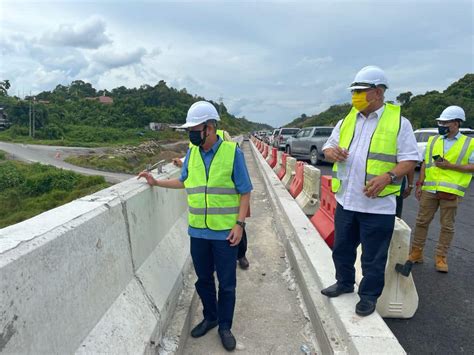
pixel 423 134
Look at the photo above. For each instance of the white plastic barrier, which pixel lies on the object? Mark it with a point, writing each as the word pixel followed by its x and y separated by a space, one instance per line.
pixel 399 298
pixel 277 167
pixel 290 172
pixel 269 156
pixel 98 275
pixel 308 199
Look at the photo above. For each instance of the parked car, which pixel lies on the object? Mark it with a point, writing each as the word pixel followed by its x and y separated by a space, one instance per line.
pixel 274 137
pixel 308 143
pixel 423 134
pixel 283 136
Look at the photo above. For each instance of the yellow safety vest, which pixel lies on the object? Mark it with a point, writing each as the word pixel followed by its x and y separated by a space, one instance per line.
pixel 219 132
pixel 213 200
pixel 446 180
pixel 382 155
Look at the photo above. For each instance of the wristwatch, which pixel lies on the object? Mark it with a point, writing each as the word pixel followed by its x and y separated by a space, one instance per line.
pixel 242 224
pixel 393 177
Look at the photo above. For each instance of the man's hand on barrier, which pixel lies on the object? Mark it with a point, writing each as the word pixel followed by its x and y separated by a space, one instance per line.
pixel 337 154
pixel 235 235
pixel 177 162
pixel 149 178
pixel 375 185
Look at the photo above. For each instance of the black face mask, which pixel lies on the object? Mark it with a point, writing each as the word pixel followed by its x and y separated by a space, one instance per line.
pixel 443 130
pixel 195 137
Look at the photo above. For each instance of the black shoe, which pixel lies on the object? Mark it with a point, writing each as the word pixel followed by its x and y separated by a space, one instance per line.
pixel 202 328
pixel 227 339
pixel 243 263
pixel 335 290
pixel 365 307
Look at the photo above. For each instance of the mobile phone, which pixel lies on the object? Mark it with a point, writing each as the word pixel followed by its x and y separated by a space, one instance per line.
pixel 437 157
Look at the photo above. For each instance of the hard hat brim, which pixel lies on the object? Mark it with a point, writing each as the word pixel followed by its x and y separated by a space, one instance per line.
pixel 359 87
pixel 189 124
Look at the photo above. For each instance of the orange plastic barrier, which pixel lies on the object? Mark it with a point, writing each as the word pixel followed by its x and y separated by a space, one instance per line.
pixel 265 151
pixel 282 171
pixel 262 147
pixel 297 184
pixel 273 161
pixel 323 219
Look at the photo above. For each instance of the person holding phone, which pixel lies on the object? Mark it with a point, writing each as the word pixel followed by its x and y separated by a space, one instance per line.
pixel 445 176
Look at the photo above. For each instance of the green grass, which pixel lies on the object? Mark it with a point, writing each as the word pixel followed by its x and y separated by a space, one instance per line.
pixel 87 136
pixel 28 190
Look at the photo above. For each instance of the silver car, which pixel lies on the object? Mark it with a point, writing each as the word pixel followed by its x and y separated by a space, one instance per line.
pixel 307 144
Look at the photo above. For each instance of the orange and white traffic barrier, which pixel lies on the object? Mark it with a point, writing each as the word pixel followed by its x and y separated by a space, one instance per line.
pixel 323 219
pixel 290 172
pixel 282 172
pixel 297 184
pixel 308 199
pixel 265 151
pixel 273 158
pixel 277 166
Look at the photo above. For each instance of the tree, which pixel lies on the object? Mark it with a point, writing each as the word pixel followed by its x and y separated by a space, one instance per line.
pixel 404 97
pixel 4 86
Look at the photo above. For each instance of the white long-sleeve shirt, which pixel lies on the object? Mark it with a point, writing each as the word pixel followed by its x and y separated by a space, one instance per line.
pixel 351 193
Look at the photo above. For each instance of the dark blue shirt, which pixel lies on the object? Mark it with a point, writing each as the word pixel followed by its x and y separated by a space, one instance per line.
pixel 240 177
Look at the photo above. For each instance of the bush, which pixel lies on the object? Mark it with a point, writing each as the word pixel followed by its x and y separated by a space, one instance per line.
pixel 10 176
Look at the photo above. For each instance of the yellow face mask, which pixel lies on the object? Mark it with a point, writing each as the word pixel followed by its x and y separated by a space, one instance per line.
pixel 359 100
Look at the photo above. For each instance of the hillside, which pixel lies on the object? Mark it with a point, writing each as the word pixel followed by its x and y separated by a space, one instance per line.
pixel 421 110
pixel 73 112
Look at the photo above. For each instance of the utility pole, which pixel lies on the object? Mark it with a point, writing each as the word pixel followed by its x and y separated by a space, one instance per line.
pixel 34 116
pixel 29 125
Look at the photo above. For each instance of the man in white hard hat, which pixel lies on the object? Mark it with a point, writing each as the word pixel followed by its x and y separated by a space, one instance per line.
pixel 445 176
pixel 373 147
pixel 217 182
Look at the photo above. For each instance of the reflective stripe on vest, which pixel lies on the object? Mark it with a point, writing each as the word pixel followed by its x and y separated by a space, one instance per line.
pixel 436 179
pixel 213 200
pixel 382 155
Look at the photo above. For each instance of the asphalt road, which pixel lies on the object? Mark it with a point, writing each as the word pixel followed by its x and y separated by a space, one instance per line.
pixel 444 321
pixel 49 155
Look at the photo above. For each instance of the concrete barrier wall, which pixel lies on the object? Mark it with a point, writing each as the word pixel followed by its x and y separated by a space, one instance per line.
pixel 98 275
pixel 338 328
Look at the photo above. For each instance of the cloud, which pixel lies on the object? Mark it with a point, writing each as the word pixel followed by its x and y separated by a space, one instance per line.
pixel 90 34
pixel 113 58
pixel 314 62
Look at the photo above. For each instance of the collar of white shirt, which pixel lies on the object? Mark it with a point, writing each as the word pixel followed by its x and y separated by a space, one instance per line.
pixel 376 114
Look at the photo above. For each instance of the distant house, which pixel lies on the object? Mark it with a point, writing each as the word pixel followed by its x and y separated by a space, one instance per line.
pixel 4 122
pixel 177 128
pixel 106 100
pixel 158 126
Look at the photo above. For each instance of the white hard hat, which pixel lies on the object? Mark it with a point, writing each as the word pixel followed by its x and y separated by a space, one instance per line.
pixel 200 112
pixel 368 77
pixel 452 113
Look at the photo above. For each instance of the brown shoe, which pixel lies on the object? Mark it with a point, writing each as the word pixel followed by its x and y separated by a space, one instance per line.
pixel 416 255
pixel 243 263
pixel 441 263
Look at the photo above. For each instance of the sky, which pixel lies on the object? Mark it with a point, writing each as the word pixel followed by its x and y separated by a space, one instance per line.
pixel 269 61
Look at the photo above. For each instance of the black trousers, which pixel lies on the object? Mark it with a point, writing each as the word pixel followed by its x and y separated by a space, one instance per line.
pixel 242 245
pixel 209 256
pixel 374 232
